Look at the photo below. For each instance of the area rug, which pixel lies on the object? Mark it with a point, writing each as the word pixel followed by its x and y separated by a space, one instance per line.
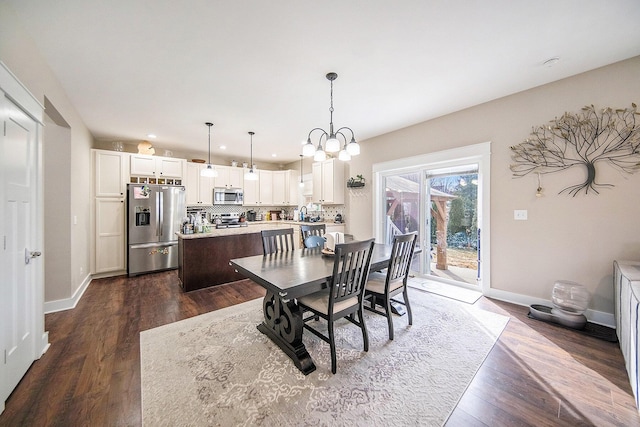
pixel 217 369
pixel 450 291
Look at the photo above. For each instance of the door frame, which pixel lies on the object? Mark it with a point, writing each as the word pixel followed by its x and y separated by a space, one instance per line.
pixel 479 154
pixel 12 90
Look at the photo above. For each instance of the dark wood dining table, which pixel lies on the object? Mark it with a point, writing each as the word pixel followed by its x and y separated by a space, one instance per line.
pixel 287 276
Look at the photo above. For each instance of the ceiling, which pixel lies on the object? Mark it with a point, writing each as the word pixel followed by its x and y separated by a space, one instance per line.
pixel 133 67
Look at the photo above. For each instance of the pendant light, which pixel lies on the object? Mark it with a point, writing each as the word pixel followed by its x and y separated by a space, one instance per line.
pixel 332 143
pixel 251 175
pixel 209 171
pixel 301 183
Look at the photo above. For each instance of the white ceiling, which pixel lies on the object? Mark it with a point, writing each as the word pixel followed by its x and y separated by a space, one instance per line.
pixel 133 67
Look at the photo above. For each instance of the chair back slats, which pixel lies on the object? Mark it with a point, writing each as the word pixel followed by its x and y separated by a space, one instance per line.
pixel 350 270
pixel 401 256
pixel 277 241
pixel 312 230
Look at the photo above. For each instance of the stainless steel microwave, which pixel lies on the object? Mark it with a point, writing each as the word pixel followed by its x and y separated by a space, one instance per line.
pixel 227 196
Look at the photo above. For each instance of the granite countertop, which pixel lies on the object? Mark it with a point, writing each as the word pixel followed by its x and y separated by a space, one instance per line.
pixel 252 227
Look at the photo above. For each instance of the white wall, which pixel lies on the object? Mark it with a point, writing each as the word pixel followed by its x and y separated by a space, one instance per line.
pixel 22 57
pixel 570 238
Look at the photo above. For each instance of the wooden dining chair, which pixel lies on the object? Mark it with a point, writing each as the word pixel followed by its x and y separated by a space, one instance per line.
pixel 312 230
pixel 382 287
pixel 344 295
pixel 277 240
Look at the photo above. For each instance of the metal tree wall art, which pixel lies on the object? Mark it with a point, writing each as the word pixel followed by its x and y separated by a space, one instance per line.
pixel 582 140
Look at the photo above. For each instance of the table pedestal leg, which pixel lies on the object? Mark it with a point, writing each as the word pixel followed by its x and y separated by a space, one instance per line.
pixel 283 324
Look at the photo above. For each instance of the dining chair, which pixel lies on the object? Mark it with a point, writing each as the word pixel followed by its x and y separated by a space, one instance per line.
pixel 344 295
pixel 314 241
pixel 312 230
pixel 277 240
pixel 382 287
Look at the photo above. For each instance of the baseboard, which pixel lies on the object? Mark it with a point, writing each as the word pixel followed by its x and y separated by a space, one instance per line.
pixel 67 303
pixel 599 317
pixel 44 344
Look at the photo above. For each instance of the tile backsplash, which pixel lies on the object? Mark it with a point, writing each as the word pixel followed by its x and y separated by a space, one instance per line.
pixel 327 213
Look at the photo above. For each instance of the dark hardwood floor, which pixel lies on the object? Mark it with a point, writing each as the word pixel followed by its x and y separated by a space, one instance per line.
pixel 536 374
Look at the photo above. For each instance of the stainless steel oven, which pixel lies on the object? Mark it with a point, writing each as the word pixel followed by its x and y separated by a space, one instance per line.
pixel 227 196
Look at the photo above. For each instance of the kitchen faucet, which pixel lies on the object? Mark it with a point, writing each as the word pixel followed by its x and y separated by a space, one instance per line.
pixel 303 214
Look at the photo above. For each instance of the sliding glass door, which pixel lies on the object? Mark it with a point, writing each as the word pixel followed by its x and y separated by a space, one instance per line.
pixel 452 202
pixel 444 200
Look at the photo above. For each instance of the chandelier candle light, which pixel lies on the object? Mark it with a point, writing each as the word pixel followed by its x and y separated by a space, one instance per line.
pixel 209 171
pixel 251 175
pixel 332 143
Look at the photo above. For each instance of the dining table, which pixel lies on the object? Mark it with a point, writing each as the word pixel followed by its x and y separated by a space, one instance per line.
pixel 289 275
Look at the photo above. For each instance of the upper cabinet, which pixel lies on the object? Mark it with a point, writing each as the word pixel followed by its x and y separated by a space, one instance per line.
pixel 199 189
pixel 229 177
pixel 260 192
pixel 143 165
pixel 285 188
pixel 111 173
pixel 328 182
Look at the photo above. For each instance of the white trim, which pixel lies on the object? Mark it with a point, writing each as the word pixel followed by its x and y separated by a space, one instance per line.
pixel 19 94
pixel 476 153
pixel 68 303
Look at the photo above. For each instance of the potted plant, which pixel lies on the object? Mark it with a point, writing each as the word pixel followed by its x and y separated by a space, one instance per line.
pixel 356 182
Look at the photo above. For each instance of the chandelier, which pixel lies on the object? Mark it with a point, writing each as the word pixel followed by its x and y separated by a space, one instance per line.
pixel 332 141
pixel 209 171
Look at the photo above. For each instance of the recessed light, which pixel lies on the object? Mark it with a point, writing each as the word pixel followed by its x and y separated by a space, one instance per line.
pixel 274 155
pixel 551 61
pixel 223 147
pixel 151 135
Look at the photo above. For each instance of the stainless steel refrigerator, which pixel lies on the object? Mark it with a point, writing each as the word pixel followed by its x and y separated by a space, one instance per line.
pixel 154 214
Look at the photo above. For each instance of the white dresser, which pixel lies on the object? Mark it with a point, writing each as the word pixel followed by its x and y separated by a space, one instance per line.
pixel 627 300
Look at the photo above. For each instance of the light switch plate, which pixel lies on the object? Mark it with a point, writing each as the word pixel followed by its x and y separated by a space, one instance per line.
pixel 520 214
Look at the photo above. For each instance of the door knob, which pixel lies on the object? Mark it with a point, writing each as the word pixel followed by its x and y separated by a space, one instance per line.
pixel 28 255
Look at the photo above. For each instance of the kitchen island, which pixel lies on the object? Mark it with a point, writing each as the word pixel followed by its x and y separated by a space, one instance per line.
pixel 203 258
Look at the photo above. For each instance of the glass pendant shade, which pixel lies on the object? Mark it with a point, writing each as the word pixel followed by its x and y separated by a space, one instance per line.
pixel 308 149
pixel 251 175
pixel 353 148
pixel 332 145
pixel 344 155
pixel 209 171
pixel 320 155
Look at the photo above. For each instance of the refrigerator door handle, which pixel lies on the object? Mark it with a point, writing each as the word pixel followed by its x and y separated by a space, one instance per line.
pixel 160 212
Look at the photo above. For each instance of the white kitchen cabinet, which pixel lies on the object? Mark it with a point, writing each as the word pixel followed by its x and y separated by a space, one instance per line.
pixel 328 182
pixel 199 189
pixel 229 177
pixel 143 165
pixel 110 234
pixel 285 188
pixel 260 192
pixel 111 175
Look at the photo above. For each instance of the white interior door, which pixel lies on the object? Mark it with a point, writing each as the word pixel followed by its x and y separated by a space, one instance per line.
pixel 19 151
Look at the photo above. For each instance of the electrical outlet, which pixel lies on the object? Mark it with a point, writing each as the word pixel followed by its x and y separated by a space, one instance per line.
pixel 81 270
pixel 520 215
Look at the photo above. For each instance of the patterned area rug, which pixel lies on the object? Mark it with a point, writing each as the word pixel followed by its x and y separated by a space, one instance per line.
pixel 217 369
